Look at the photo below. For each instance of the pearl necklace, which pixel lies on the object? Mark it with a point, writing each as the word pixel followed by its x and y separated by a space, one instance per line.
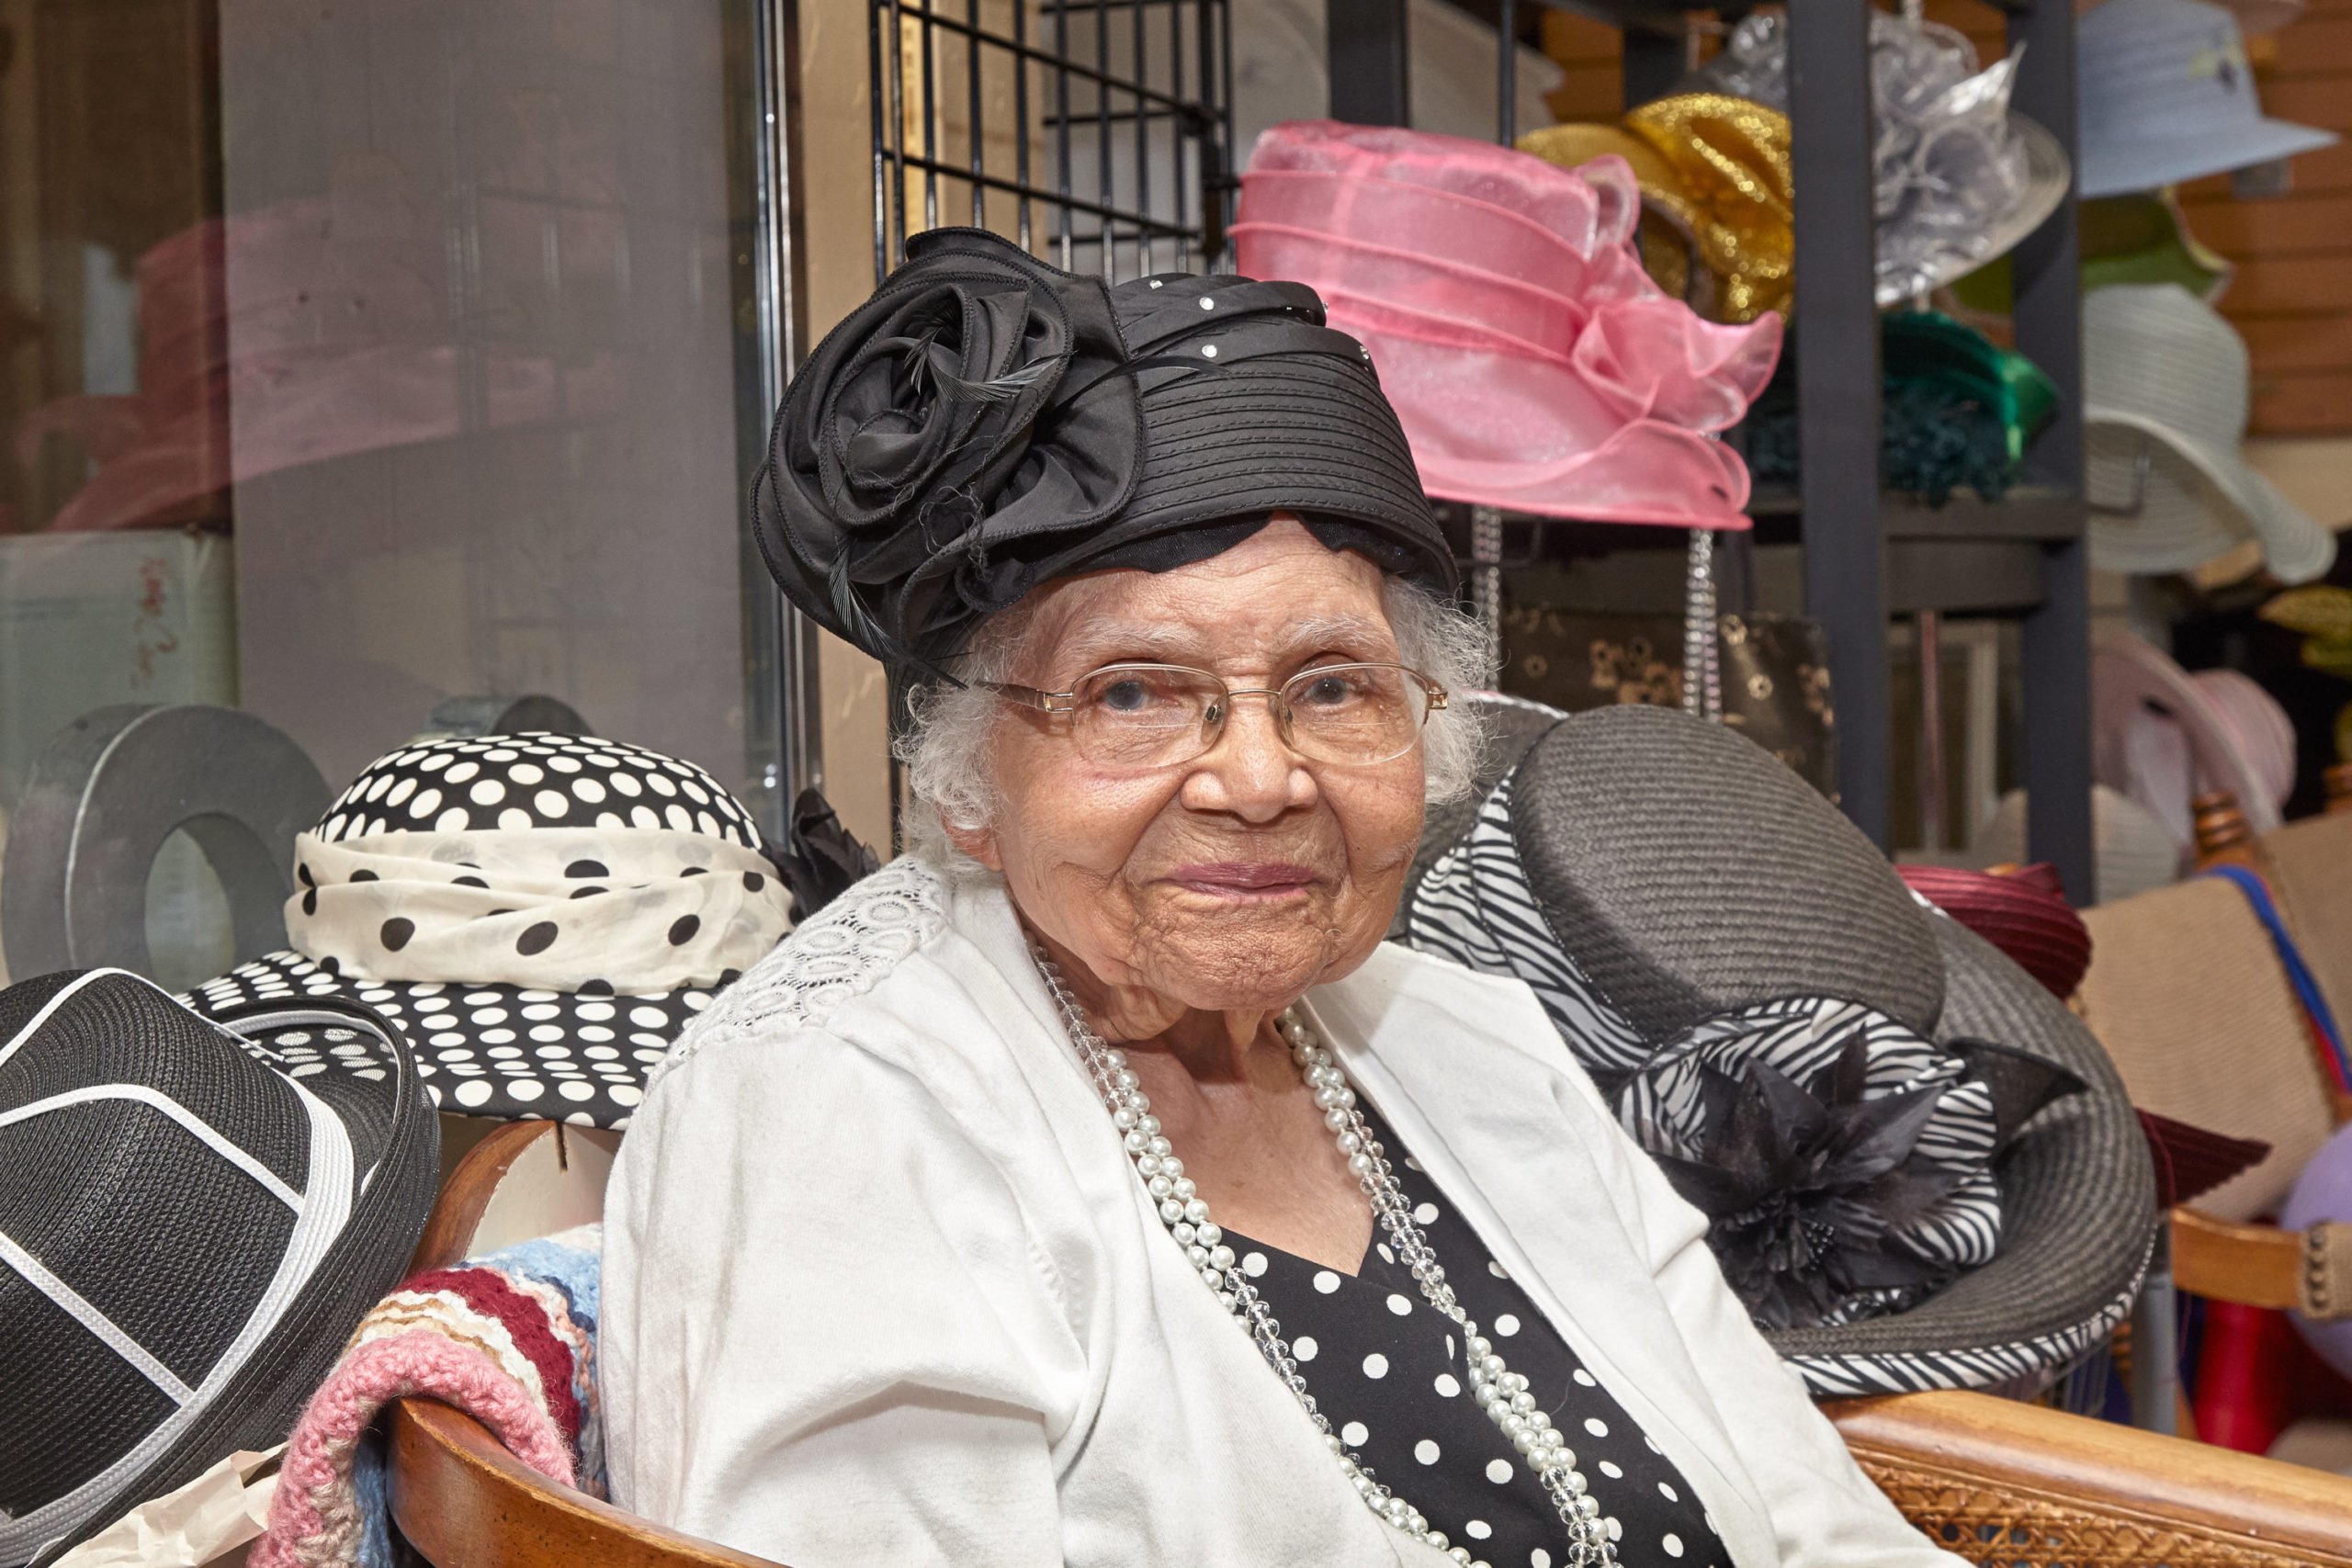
pixel 1501 1392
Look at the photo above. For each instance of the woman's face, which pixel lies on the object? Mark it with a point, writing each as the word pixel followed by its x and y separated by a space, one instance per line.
pixel 1239 879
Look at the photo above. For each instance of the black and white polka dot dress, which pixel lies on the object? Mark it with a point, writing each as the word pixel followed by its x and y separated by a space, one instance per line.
pixel 1387 1370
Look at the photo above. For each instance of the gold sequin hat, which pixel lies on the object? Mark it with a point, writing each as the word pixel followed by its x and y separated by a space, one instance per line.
pixel 1716 188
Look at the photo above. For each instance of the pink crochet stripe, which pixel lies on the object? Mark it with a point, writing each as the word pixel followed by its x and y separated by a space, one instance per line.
pixel 314 1518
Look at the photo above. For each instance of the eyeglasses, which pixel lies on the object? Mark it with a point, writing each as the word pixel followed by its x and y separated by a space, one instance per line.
pixel 1159 716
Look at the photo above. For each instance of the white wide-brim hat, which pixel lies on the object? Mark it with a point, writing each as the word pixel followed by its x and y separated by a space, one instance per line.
pixel 2165 409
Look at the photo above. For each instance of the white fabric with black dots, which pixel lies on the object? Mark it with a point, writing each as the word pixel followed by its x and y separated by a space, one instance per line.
pixel 1387 1370
pixel 541 915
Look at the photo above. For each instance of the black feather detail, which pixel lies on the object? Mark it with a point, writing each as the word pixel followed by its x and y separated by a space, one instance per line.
pixel 820 859
pixel 858 625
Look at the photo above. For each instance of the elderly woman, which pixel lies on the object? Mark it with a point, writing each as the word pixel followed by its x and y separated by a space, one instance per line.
pixel 1093 1186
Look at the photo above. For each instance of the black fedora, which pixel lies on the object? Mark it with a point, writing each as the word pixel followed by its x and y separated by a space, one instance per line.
pixel 189 1232
pixel 1687 908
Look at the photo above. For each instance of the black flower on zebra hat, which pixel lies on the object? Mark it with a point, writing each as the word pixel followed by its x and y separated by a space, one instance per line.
pixel 1843 1162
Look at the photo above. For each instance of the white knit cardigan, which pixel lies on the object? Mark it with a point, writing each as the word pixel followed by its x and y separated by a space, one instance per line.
pixel 881 1289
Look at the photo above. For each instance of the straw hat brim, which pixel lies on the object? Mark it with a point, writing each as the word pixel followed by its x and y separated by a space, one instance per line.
pixel 2078 1213
pixel 106 1035
pixel 1688 872
pixel 2143 163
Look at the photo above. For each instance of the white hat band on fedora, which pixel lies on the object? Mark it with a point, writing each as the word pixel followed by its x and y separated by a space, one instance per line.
pixel 191 1223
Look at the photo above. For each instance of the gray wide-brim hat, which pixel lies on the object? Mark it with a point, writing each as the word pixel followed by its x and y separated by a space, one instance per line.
pixel 1657 879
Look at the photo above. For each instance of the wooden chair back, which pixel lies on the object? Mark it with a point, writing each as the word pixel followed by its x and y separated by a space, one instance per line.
pixel 458 1497
pixel 464 1502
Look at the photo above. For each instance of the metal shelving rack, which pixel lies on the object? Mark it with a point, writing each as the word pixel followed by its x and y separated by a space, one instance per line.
pixel 1869 555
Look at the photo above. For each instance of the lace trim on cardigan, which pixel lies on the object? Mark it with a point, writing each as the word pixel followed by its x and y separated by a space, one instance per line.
pixel 839 954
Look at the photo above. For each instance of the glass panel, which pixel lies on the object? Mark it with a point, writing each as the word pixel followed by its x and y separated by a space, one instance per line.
pixel 480 328
pixel 373 365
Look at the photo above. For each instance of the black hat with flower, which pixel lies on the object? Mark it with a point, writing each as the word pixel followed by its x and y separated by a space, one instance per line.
pixel 1918 1167
pixel 986 423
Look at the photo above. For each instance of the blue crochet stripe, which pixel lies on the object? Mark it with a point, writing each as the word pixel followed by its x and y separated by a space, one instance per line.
pixel 2257 894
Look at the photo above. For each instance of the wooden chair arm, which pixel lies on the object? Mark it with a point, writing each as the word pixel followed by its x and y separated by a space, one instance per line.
pixel 464 1502
pixel 1990 1480
pixel 1997 1482
pixel 2253 1265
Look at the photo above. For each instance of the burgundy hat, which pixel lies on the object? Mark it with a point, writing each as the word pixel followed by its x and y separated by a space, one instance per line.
pixel 2023 913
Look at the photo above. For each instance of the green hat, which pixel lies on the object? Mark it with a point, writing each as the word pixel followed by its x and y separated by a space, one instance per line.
pixel 2140 238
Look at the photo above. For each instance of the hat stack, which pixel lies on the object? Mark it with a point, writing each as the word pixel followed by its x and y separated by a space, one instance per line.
pixel 1533 362
pixel 542 914
pixel 2164 735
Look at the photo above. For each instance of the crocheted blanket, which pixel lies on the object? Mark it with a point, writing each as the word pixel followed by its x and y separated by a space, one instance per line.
pixel 508 1339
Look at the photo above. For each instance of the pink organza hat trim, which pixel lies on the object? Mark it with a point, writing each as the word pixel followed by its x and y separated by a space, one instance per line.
pixel 1533 362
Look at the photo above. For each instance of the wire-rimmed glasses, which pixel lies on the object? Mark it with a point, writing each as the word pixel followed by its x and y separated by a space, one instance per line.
pixel 1160 716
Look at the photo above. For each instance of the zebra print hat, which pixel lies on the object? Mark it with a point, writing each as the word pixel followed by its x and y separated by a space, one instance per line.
pixel 1920 1169
pixel 190 1226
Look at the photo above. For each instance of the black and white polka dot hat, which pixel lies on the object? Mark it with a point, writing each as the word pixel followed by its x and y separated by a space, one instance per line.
pixel 541 913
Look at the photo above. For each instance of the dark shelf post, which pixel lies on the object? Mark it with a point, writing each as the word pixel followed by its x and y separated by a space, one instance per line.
pixel 2056 638
pixel 1837 389
pixel 1367 47
pixel 1654 63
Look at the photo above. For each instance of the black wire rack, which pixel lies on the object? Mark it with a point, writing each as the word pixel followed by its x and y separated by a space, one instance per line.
pixel 1096 134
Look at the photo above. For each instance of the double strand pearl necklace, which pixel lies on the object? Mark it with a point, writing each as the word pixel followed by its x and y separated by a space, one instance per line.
pixel 1501 1392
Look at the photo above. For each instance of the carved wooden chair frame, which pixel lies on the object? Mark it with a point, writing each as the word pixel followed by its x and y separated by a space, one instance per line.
pixel 1993 1481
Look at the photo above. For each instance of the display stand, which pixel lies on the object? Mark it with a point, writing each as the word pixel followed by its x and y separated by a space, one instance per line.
pixel 1868 554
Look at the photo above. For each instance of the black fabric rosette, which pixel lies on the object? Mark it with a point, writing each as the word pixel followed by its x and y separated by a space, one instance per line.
pixel 973 395
pixel 986 423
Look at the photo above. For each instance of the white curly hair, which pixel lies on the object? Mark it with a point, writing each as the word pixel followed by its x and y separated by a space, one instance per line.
pixel 946 741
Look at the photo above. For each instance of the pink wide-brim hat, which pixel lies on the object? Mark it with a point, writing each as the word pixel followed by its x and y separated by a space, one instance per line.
pixel 294 334
pixel 1534 364
pixel 2161 735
